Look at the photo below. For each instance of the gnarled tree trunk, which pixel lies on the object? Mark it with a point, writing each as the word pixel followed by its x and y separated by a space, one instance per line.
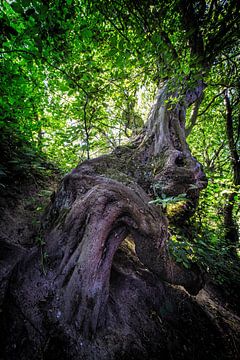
pixel 106 199
pixel 97 285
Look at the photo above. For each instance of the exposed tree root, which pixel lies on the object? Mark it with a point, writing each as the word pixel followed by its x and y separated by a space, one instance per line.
pixel 84 293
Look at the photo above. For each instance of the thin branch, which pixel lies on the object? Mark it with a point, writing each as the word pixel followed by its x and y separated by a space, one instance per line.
pixel 230 136
pixel 211 102
pixel 86 129
pixel 48 63
pixel 216 154
pixel 238 130
pixel 228 57
pixel 194 115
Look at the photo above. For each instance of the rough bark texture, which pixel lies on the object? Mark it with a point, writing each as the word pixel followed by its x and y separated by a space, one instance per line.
pixel 96 289
pixel 231 228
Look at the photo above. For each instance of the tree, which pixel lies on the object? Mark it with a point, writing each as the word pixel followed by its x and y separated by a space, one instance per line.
pixel 230 225
pixel 106 200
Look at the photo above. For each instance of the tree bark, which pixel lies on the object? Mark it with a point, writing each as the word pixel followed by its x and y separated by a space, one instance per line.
pixel 235 160
pixel 101 205
pixel 231 229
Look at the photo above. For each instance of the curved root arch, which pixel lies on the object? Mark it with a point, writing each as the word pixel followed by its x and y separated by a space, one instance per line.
pixel 102 213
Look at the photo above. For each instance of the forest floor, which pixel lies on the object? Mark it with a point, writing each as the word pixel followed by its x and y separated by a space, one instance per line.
pixel 21 206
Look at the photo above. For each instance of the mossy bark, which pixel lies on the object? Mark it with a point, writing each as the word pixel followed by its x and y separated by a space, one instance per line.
pixel 93 286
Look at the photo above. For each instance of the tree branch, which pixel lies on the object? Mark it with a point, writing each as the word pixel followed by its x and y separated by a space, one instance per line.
pixel 194 115
pixel 211 102
pixel 48 63
pixel 235 160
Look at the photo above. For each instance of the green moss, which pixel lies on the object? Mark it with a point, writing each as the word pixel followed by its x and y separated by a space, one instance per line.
pixel 119 176
pixel 121 166
pixel 174 211
pixel 158 164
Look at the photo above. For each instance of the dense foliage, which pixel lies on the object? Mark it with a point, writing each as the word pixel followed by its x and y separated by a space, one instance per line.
pixel 78 79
